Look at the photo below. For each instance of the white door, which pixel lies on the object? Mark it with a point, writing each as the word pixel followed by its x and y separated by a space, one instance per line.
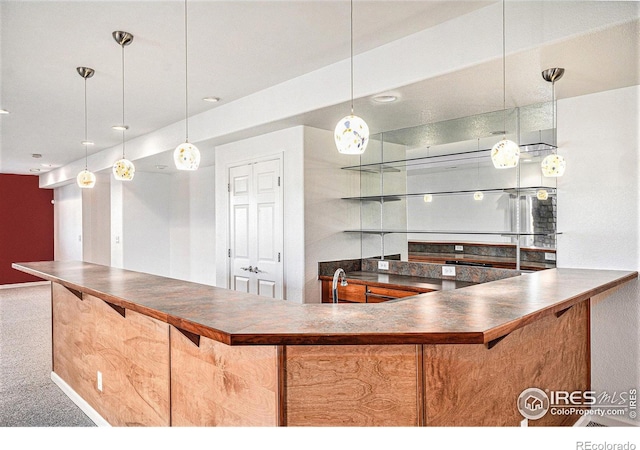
pixel 255 216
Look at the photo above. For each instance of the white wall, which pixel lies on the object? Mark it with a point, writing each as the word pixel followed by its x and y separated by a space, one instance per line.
pixel 96 222
pixel 192 226
pixel 598 213
pixel 67 228
pixel 326 215
pixel 290 144
pixel 145 223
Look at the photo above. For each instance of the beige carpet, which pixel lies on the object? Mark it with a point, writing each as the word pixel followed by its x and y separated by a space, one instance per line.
pixel 28 397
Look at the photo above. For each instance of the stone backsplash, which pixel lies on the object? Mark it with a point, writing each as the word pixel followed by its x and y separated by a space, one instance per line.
pixel 471 274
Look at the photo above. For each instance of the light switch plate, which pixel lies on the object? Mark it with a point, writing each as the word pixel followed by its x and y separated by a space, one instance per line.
pixel 383 265
pixel 459 248
pixel 99 381
pixel 550 256
pixel 448 271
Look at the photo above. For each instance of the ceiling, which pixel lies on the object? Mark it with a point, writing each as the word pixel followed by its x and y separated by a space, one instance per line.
pixel 237 48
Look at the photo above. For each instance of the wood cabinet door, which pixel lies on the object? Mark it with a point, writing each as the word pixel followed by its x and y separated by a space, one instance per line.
pixel 352 293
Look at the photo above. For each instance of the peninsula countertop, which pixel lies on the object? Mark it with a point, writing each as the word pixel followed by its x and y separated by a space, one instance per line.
pixel 471 315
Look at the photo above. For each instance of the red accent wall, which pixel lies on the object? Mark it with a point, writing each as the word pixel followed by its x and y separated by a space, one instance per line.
pixel 26 225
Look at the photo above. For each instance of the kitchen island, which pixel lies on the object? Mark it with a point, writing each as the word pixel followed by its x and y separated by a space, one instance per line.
pixel 138 349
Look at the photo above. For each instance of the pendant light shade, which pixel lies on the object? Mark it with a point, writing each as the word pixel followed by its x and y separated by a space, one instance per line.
pixel 85 179
pixel 123 169
pixel 553 165
pixel 542 194
pixel 351 133
pixel 428 198
pixel 478 195
pixel 186 156
pixel 505 154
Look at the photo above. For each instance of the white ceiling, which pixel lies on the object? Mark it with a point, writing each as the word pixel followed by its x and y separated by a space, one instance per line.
pixel 237 48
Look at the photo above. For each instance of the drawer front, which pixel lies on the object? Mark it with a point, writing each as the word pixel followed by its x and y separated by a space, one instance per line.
pixel 378 294
pixel 351 293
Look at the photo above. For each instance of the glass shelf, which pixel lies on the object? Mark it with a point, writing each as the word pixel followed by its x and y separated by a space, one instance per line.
pixel 397 197
pixel 477 233
pixel 536 150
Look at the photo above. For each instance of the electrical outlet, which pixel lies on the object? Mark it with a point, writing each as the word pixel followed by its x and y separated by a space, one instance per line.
pixel 459 248
pixel 117 239
pixel 99 382
pixel 448 271
pixel 549 256
pixel 383 265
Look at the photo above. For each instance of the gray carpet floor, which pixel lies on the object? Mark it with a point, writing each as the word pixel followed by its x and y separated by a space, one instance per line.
pixel 28 397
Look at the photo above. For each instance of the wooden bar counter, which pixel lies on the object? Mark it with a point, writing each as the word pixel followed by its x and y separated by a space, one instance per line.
pixel 138 349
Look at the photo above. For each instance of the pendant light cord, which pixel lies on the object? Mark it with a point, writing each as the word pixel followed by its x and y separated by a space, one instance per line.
pixel 555 114
pixel 186 75
pixel 123 122
pixel 85 125
pixel 351 37
pixel 504 72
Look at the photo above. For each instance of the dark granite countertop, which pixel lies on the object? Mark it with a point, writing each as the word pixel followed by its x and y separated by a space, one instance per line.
pixel 475 314
pixel 494 261
pixel 418 284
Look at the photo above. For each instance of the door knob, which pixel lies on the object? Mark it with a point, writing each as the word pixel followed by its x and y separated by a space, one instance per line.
pixel 250 269
pixel 256 270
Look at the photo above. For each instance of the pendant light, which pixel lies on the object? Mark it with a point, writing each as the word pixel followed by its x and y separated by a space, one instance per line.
pixel 351 133
pixel 85 178
pixel 186 156
pixel 505 154
pixel 553 165
pixel 123 169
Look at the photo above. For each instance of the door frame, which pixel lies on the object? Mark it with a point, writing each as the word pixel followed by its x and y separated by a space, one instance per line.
pixel 274 156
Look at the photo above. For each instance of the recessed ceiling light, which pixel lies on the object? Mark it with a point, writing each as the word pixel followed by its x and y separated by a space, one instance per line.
pixel 120 127
pixel 161 166
pixel 385 98
pixel 49 166
pixel 4 111
pixel 36 155
pixel 87 142
pixel 211 99
pixel 498 132
pixel 34 170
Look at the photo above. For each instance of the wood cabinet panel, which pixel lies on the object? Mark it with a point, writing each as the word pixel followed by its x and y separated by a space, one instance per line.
pixel 131 352
pixel 470 385
pixel 214 384
pixel 354 293
pixel 366 385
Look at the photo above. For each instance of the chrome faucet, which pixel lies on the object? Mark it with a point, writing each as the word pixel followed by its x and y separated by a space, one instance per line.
pixel 336 277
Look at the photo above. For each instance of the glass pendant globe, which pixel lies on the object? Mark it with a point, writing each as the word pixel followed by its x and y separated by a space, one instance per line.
pixel 478 195
pixel 553 166
pixel 186 157
pixel 124 170
pixel 86 179
pixel 505 154
pixel 351 135
pixel 542 194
